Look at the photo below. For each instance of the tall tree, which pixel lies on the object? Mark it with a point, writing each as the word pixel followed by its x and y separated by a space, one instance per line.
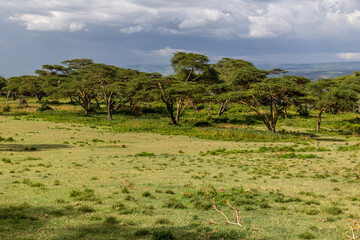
pixel 192 74
pixel 272 93
pixel 301 83
pixel 69 81
pixel 267 97
pixel 235 75
pixel 2 84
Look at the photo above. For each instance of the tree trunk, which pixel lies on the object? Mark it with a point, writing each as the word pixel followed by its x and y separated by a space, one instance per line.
pixel 7 98
pixel 109 115
pixel 179 106
pixel 194 106
pixel 98 104
pixel 285 111
pixel 222 108
pixel 208 110
pixel 86 110
pixel 319 120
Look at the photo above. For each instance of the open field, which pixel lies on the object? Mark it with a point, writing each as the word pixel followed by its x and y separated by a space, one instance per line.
pixel 74 181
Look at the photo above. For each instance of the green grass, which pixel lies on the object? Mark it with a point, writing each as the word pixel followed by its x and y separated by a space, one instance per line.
pixel 67 176
pixel 163 186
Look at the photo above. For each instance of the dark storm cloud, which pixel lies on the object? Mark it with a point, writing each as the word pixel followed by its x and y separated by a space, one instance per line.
pixel 36 32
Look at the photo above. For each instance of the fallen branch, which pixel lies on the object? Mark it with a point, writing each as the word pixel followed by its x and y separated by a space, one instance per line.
pixel 355 228
pixel 238 218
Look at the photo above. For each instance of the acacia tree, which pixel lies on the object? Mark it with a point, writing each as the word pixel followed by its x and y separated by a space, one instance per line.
pixel 331 95
pixel 301 83
pixel 235 75
pixel 2 84
pixel 15 85
pixel 69 81
pixel 192 74
pixel 33 86
pixel 272 93
pixel 26 85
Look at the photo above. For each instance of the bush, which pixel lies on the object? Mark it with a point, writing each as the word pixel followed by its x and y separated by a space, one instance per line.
pixel 162 234
pixel 86 209
pixel 174 203
pixel 146 194
pixel 202 123
pixel 144 154
pixel 85 195
pixel 333 210
pixel 44 107
pixel 6 108
pixel 306 235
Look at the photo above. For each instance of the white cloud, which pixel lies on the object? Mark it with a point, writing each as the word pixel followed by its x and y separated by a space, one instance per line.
pixel 270 24
pixel 55 21
pixel 349 56
pixel 218 18
pixel 132 29
pixel 168 51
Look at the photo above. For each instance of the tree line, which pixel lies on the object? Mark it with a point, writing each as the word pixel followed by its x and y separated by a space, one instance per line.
pixel 268 93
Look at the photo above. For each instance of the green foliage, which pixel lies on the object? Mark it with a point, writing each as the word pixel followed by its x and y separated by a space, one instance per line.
pixel 349 148
pixel 333 210
pixel 162 234
pixel 9 139
pixel 145 154
pixel 6 160
pixel 307 235
pixel 174 203
pixel 84 195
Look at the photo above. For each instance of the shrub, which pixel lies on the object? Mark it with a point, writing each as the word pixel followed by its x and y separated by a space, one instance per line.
pixel 202 124
pixel 44 107
pixel 6 108
pixel 162 221
pixel 111 220
pixel 146 194
pixel 171 192
pixel 306 235
pixel 123 209
pixel 86 209
pixel 312 212
pixel 6 160
pixel 144 154
pixel 162 234
pixel 174 203
pixel 142 232
pixel 84 195
pixel 333 210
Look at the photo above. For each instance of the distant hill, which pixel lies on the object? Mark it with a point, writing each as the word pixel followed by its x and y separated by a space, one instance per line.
pixel 151 68
pixel 312 71
pixel 316 71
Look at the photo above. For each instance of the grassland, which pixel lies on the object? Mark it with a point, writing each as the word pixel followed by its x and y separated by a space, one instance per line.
pixel 83 178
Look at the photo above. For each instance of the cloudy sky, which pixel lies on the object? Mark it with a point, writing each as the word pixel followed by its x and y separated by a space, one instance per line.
pixel 128 32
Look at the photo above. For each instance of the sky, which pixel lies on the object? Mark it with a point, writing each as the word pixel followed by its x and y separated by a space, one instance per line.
pixel 132 32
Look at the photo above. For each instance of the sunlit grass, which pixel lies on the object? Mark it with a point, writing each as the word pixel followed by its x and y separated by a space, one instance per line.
pixel 93 182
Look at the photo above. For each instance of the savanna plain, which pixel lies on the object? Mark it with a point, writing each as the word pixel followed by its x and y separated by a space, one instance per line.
pixel 63 176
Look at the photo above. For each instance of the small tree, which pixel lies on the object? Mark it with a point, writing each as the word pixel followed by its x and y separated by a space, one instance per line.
pixel 333 96
pixel 235 75
pixel 272 93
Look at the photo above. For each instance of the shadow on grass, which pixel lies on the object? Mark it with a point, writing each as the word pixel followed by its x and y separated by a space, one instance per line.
pixel 116 230
pixel 322 139
pixel 27 222
pixel 31 147
pixel 24 222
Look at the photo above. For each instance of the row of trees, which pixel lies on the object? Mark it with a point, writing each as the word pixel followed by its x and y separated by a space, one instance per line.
pixel 268 93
